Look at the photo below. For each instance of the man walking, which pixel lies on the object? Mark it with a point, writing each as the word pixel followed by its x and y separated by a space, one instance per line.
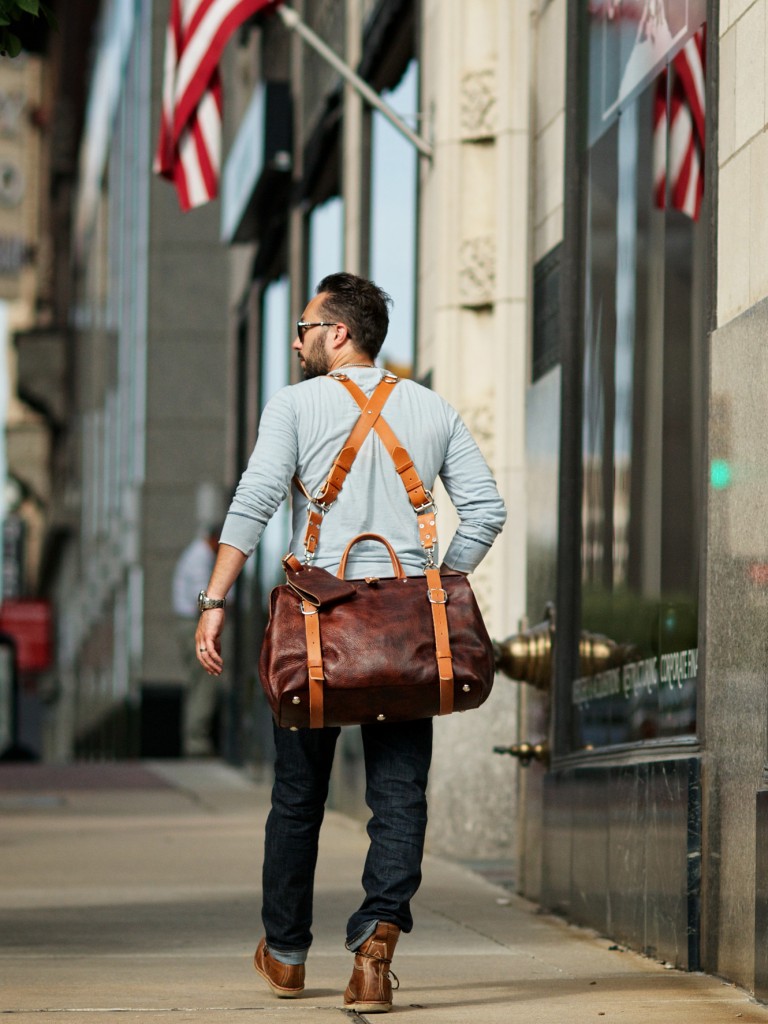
pixel 301 432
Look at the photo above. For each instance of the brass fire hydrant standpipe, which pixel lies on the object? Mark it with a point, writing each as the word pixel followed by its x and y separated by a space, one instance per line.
pixel 526 657
pixel 526 752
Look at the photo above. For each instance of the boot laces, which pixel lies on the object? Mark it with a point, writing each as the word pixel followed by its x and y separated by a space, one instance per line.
pixel 382 960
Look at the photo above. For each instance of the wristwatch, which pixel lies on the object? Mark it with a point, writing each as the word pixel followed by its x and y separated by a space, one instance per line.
pixel 205 603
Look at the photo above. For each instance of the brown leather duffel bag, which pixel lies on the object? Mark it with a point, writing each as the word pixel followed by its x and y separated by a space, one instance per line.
pixel 378 657
pixel 348 652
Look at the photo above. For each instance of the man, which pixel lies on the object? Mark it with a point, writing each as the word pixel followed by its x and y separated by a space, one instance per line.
pixel 192 572
pixel 302 430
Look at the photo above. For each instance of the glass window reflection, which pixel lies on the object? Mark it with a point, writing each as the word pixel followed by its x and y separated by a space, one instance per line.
pixel 394 185
pixel 641 432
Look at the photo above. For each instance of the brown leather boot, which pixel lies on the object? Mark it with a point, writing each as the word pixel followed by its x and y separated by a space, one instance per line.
pixel 370 987
pixel 285 980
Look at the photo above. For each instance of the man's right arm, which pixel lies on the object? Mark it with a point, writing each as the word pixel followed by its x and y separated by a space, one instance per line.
pixel 229 564
pixel 267 479
pixel 262 488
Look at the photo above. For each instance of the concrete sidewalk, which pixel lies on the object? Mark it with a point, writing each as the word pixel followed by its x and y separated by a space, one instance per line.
pixel 131 893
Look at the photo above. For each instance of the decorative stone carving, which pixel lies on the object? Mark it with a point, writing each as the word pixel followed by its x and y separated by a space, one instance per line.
pixel 477 271
pixel 479 109
pixel 478 414
pixel 479 419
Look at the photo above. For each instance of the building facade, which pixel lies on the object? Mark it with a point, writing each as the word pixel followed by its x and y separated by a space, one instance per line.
pixel 133 364
pixel 578 265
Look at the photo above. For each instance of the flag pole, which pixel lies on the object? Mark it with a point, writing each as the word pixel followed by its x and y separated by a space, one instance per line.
pixel 292 21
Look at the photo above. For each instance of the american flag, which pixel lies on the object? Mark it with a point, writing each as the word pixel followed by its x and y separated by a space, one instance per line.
pixel 189 147
pixel 678 130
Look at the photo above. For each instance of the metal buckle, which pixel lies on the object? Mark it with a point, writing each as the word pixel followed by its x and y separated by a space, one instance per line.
pixel 429 503
pixel 313 612
pixel 437 590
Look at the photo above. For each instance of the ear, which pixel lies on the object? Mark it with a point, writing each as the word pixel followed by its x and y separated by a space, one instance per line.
pixel 340 336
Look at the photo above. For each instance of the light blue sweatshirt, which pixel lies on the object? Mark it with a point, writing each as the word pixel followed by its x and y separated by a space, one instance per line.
pixel 302 430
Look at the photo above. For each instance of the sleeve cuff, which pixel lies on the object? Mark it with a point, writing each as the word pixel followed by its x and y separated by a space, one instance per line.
pixel 464 555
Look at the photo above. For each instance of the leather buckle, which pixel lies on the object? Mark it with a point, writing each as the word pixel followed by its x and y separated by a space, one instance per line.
pixel 437 600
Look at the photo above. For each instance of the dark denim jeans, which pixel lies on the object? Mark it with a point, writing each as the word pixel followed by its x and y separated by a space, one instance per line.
pixel 397 759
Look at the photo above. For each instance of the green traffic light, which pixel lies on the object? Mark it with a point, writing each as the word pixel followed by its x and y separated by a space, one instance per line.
pixel 720 474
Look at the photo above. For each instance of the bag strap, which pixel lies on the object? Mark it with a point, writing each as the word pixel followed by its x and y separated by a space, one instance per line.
pixel 329 492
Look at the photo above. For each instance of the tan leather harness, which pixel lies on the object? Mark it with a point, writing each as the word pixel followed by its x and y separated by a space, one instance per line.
pixel 424 507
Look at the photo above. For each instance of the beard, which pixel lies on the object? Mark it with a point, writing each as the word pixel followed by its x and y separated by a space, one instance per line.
pixel 314 359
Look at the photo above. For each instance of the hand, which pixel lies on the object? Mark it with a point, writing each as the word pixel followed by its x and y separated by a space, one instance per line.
pixel 208 641
pixel 447 569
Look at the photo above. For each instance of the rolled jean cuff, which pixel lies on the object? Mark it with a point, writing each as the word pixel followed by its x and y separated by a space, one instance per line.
pixel 291 957
pixel 364 933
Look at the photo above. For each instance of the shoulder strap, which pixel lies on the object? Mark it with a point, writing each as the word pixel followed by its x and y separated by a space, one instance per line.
pixel 329 492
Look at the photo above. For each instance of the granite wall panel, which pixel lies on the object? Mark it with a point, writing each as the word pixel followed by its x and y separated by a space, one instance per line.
pixel 626 856
pixel 761 897
pixel 622 853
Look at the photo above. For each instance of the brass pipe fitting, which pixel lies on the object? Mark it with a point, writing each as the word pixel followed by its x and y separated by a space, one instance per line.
pixel 526 657
pixel 526 752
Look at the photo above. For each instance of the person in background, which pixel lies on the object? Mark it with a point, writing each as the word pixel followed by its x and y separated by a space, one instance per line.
pixel 190 576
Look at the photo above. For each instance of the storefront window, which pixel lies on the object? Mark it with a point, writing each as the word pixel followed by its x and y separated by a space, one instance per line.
pixel 326 241
pixel 642 377
pixel 394 181
pixel 275 362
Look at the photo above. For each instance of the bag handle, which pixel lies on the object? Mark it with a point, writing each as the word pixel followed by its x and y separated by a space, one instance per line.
pixel 396 564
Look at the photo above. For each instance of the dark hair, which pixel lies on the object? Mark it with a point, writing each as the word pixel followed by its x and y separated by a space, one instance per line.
pixel 361 305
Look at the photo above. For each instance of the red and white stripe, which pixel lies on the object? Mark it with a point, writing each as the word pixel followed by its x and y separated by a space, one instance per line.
pixel 189 146
pixel 678 130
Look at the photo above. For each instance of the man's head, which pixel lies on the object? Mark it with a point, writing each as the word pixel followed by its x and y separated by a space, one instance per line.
pixel 359 304
pixel 348 320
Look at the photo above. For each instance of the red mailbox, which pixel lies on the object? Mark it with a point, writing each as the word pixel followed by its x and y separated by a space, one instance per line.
pixel 29 623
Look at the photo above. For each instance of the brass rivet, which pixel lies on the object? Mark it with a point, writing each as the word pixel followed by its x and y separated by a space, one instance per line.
pixel 465 687
pixel 381 718
pixel 297 700
pixel 294 728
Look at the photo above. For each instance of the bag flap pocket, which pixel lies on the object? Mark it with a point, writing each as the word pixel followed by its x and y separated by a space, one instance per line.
pixel 318 586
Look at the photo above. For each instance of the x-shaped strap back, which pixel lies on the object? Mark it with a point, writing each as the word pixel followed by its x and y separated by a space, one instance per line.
pixel 370 418
pixel 329 492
